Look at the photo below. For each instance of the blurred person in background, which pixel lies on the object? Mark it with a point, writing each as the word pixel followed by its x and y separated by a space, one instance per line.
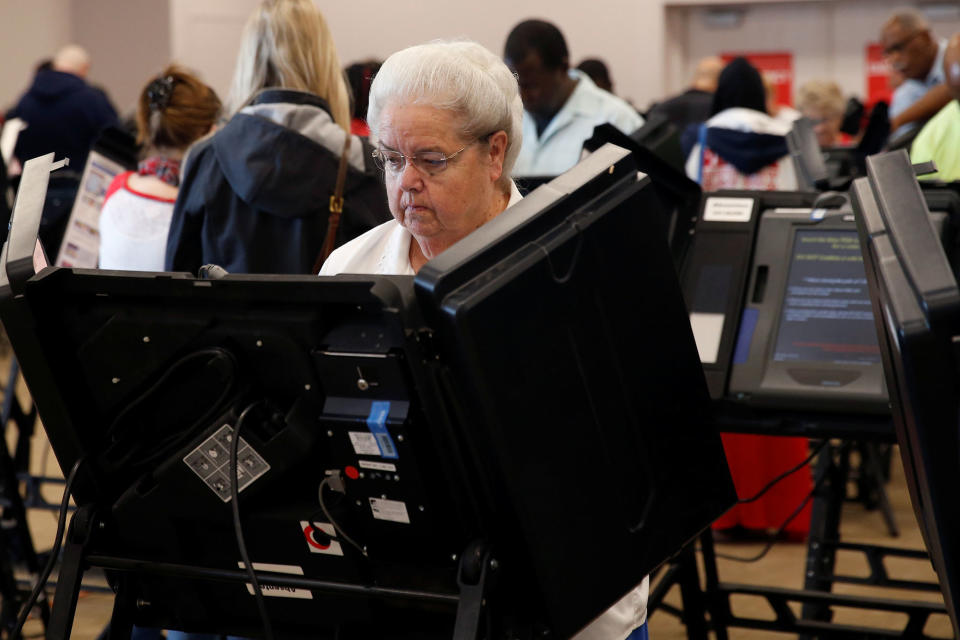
pixel 822 102
pixel 63 113
pixel 741 146
pixel 693 105
pixel 360 75
pixel 561 105
pixel 597 70
pixel 911 49
pixel 939 140
pixel 259 196
pixel 175 109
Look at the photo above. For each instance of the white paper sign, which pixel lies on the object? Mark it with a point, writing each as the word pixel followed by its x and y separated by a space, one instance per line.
pixel 728 210
pixel 81 241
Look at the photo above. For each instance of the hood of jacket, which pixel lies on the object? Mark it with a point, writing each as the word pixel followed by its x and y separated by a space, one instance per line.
pixel 749 140
pixel 51 85
pixel 281 153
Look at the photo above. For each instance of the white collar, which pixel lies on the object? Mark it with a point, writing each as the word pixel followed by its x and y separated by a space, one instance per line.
pixel 395 259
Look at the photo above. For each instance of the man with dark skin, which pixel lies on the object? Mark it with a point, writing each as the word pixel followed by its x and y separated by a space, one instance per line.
pixel 911 49
pixel 543 88
pixel 561 106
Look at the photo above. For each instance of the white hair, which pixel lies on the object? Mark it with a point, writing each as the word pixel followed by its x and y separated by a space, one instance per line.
pixel 460 76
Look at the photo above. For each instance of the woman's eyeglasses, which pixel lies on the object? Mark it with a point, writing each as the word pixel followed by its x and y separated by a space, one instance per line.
pixel 429 162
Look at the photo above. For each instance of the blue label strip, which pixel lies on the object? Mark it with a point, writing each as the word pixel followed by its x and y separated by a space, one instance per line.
pixel 748 323
pixel 377 423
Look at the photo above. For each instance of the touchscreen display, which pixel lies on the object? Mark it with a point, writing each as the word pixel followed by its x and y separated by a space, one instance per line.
pixel 826 314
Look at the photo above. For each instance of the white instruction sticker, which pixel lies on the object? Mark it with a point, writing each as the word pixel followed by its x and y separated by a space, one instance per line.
pixel 325 542
pixel 211 462
pixel 728 210
pixel 275 591
pixel 392 510
pixel 378 466
pixel 364 443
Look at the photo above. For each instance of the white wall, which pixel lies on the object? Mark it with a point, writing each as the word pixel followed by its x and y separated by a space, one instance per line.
pixel 29 32
pixel 128 43
pixel 205 36
pixel 627 33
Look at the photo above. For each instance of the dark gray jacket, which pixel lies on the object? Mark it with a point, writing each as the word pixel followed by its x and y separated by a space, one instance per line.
pixel 254 198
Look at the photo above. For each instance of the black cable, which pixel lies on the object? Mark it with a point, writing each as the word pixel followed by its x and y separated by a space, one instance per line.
pixel 54 553
pixel 238 528
pixel 783 475
pixel 211 351
pixel 773 538
pixel 336 527
pixel 161 448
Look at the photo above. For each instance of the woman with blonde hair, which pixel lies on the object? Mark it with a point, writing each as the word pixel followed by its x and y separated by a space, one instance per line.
pixel 282 182
pixel 823 103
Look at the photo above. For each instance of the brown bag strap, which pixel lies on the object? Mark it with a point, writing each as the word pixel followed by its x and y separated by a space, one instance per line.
pixel 336 208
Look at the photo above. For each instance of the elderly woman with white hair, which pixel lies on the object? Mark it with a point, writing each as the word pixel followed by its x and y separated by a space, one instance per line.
pixel 447 117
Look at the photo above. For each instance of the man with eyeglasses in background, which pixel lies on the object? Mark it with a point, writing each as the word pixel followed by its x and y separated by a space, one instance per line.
pixel 912 50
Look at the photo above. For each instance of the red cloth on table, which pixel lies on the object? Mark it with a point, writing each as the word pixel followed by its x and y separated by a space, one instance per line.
pixel 756 460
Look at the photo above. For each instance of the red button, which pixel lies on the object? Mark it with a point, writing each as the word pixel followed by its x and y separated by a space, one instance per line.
pixel 352 472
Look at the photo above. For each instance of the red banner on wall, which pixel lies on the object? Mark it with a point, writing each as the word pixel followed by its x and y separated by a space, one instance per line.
pixel 878 75
pixel 776 66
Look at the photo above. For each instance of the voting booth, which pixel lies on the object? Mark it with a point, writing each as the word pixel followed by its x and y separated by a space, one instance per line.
pixel 505 444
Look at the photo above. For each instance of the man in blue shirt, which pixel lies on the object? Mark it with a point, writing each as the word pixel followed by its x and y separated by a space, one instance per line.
pixel 911 49
pixel 561 106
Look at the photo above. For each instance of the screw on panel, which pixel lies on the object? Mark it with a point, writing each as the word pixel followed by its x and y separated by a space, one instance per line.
pixel 307 387
pixel 400 438
pixel 259 343
pixel 494 564
pixel 362 384
pixel 420 507
pixel 330 433
pixel 146 338
pixel 115 380
pixel 359 503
